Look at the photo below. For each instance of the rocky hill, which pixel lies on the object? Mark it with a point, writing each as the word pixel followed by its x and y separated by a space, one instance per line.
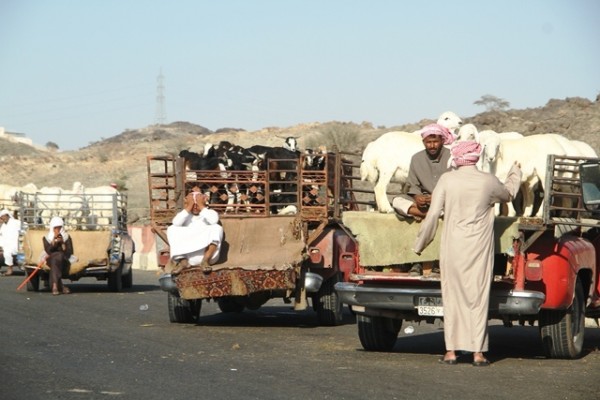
pixel 122 158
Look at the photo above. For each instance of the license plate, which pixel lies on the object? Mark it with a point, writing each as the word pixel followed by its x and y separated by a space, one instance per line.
pixel 430 307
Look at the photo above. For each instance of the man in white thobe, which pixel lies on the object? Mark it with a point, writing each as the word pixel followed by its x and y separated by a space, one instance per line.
pixel 467 197
pixel 9 239
pixel 195 236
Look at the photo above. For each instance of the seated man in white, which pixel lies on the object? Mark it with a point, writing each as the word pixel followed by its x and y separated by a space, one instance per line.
pixel 195 236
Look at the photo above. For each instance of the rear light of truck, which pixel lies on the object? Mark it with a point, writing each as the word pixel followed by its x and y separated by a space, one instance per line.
pixel 534 270
pixel 315 255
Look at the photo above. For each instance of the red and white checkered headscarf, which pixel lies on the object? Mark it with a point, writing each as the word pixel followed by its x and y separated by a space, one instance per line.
pixel 439 130
pixel 465 153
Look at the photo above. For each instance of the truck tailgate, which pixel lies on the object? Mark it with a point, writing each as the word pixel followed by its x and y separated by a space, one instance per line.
pixel 90 247
pixel 257 254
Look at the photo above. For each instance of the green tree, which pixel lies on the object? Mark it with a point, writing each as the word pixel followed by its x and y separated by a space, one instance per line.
pixel 52 146
pixel 492 103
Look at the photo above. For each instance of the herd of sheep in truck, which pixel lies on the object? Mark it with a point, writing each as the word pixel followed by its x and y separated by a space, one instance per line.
pixel 387 159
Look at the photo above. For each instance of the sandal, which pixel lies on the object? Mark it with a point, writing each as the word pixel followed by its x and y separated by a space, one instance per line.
pixel 448 361
pixel 55 292
pixel 180 266
pixel 206 268
pixel 481 363
pixel 66 290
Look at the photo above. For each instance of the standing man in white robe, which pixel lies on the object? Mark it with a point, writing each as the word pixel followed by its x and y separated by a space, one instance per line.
pixel 9 239
pixel 466 196
pixel 195 236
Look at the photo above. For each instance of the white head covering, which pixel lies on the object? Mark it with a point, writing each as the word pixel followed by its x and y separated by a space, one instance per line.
pixel 54 222
pixel 5 212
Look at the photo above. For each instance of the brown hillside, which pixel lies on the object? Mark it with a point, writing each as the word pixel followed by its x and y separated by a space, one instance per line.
pixel 122 158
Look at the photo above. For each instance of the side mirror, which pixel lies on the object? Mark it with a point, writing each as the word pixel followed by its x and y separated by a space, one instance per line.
pixel 589 173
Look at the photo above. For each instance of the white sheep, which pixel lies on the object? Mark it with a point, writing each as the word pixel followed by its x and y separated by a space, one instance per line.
pixel 74 206
pixel 382 167
pixel 468 132
pixel 532 153
pixel 387 158
pixel 101 201
pixel 584 149
pixel 489 140
pixel 47 203
pixel 510 135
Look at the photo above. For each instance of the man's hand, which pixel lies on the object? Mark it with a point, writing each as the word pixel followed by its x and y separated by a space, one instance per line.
pixel 423 201
pixel 58 240
pixel 188 203
pixel 194 201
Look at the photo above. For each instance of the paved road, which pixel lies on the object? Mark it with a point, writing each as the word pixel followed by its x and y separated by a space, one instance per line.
pixel 94 344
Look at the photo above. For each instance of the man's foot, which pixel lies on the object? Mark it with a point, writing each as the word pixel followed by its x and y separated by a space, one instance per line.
pixel 416 270
pixel 449 358
pixel 205 266
pixel 479 360
pixel 180 266
pixel 55 291
pixel 9 271
pixel 66 290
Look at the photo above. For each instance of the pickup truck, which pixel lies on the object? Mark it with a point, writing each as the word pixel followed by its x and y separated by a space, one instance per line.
pixel 97 224
pixel 546 270
pixel 298 256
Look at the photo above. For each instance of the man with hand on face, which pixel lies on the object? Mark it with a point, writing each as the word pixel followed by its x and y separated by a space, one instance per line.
pixel 58 254
pixel 425 170
pixel 195 236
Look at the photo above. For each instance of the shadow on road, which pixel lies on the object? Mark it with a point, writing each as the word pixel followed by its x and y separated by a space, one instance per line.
pixel 504 343
pixel 269 316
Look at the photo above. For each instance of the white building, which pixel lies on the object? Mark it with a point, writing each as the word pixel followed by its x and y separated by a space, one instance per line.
pixel 15 137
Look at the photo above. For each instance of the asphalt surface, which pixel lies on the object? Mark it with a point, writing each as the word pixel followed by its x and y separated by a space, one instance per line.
pixel 93 344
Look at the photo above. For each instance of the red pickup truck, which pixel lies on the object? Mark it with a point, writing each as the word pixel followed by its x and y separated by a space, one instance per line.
pixel 545 271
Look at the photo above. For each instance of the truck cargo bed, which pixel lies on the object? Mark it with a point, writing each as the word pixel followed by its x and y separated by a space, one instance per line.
pixel 386 239
pixel 257 254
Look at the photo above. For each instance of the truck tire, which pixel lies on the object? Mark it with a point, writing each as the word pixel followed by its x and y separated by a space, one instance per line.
pixel 562 331
pixel 327 303
pixel 127 279
pixel 378 333
pixel 115 279
pixel 33 285
pixel 183 311
pixel 229 305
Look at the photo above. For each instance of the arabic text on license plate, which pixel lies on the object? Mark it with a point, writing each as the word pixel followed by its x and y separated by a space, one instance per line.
pixel 430 306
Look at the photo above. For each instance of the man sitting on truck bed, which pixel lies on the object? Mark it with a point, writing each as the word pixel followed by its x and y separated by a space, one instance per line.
pixel 195 236
pixel 425 170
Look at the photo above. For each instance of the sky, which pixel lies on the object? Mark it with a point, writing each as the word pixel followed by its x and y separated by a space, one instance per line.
pixel 74 72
